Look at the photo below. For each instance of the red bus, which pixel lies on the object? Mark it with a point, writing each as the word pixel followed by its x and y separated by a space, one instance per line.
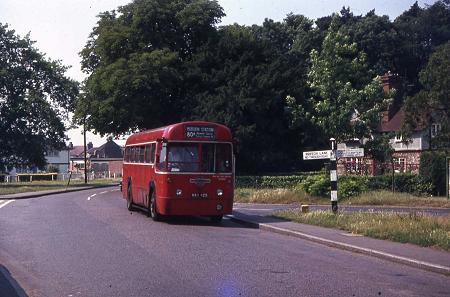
pixel 181 169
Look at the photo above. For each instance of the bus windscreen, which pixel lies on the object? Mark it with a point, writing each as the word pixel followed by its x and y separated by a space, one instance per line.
pixel 199 157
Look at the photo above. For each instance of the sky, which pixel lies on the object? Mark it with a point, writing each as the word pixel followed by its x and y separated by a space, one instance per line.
pixel 61 27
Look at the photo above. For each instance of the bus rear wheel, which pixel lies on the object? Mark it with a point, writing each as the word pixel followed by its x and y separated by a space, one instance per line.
pixel 216 219
pixel 152 207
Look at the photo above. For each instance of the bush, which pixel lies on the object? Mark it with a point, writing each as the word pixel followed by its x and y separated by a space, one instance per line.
pixel 52 169
pixel 350 186
pixel 432 171
pixel 317 185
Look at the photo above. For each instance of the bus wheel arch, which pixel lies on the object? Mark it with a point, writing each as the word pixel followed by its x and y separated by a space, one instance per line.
pixel 129 195
pixel 152 205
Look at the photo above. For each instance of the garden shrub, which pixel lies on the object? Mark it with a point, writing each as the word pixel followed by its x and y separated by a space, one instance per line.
pixel 432 170
pixel 317 185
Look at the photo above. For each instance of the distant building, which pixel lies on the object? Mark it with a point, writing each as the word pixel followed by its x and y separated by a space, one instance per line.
pixel 105 160
pixel 59 159
pixel 407 153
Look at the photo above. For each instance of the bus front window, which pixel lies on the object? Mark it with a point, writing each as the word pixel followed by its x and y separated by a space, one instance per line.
pixel 183 157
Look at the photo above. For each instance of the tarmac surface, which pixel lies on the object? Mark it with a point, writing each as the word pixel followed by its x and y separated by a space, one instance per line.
pixel 87 244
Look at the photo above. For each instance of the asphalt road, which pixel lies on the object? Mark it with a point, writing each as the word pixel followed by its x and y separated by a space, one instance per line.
pixel 76 244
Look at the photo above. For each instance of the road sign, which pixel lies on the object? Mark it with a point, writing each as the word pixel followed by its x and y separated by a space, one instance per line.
pixel 313 155
pixel 350 153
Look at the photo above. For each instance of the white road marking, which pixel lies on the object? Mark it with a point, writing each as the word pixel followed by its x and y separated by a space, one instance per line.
pixel 5 202
pixel 101 193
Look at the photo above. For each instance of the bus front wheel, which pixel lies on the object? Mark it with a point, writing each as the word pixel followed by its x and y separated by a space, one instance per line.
pixel 129 198
pixel 152 207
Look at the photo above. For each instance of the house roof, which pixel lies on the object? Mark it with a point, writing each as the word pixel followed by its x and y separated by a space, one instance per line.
pixel 108 150
pixel 394 124
pixel 77 151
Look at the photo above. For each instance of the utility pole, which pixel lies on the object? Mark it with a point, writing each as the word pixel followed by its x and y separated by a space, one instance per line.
pixel 85 151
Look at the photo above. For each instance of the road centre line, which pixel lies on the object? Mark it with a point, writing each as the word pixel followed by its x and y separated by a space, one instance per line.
pixel 101 193
pixel 5 202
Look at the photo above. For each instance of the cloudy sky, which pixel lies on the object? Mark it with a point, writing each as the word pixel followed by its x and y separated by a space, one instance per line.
pixel 61 27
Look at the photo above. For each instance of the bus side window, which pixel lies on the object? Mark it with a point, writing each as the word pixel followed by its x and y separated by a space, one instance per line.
pixel 152 153
pixel 132 159
pixel 147 153
pixel 162 158
pixel 142 154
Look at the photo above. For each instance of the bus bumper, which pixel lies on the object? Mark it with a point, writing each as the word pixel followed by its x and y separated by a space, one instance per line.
pixel 194 207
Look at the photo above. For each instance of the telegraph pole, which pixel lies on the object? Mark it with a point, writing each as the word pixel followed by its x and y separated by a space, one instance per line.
pixel 85 151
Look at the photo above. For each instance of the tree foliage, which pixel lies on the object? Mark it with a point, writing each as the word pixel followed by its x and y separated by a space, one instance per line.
pixel 282 87
pixel 135 60
pixel 34 99
pixel 347 99
pixel 432 103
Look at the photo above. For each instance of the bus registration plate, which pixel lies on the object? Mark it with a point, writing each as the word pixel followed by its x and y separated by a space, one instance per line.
pixel 199 195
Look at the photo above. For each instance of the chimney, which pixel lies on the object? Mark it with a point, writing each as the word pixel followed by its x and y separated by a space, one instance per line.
pixel 90 145
pixel 391 81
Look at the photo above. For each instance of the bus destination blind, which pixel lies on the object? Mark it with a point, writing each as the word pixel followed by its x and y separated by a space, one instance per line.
pixel 200 132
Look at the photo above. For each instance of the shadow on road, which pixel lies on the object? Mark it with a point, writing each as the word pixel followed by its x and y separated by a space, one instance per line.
pixel 201 221
pixel 8 285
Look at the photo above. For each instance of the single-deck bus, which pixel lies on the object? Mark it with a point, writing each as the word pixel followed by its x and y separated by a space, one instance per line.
pixel 181 169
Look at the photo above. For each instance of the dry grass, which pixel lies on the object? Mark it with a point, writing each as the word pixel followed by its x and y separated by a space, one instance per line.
pixel 22 187
pixel 423 230
pixel 251 195
pixel 401 199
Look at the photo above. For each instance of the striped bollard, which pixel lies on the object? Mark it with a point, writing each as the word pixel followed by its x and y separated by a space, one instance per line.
pixel 333 176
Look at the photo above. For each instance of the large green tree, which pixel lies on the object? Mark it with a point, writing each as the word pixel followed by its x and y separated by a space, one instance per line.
pixel 347 99
pixel 136 59
pixel 432 103
pixel 420 31
pixel 35 97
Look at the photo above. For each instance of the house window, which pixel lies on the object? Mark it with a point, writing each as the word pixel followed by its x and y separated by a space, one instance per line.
pixel 435 128
pixel 52 153
pixel 400 165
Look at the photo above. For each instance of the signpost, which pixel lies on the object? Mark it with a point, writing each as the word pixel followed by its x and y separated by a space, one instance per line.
pixel 333 155
pixel 315 155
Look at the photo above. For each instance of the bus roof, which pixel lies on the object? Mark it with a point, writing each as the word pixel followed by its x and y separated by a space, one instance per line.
pixel 195 131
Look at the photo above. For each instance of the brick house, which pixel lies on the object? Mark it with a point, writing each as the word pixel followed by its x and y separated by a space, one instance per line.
pixel 103 161
pixel 406 155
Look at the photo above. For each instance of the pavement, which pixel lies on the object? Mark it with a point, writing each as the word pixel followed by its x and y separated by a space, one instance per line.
pixel 427 258
pixel 261 216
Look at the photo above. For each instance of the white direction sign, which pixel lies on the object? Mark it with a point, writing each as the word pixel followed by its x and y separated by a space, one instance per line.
pixel 350 153
pixel 313 155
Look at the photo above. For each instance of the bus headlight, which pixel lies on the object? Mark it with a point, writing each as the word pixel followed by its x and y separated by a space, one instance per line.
pixel 219 192
pixel 179 192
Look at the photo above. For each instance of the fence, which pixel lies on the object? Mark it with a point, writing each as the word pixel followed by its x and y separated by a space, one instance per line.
pixel 30 177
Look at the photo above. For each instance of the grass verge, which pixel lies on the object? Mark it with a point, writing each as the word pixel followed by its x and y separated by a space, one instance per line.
pixel 22 187
pixel 287 196
pixel 413 228
pixel 252 195
pixel 401 199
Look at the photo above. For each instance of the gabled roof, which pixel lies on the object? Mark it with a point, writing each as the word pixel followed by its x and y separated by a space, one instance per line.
pixel 77 151
pixel 394 124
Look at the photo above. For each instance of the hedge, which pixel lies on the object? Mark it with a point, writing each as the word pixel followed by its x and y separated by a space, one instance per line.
pixel 283 181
